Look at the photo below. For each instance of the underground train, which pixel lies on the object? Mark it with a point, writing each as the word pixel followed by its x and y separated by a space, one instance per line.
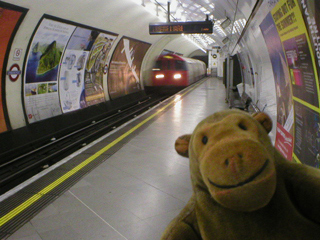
pixel 174 70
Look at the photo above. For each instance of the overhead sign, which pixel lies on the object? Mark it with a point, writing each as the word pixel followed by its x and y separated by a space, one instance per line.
pixel 180 27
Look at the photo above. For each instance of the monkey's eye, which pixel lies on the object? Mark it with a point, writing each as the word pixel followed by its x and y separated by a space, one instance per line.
pixel 242 126
pixel 204 139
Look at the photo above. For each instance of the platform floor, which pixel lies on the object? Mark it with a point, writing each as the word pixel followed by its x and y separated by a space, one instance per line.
pixel 139 189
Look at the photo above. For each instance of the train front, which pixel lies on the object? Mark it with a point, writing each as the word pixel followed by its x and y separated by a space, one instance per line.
pixel 170 70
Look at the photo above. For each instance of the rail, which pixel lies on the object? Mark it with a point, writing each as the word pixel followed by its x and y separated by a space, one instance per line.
pixel 16 170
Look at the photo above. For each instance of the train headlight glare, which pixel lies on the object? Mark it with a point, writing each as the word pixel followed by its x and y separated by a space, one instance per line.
pixel 159 76
pixel 177 76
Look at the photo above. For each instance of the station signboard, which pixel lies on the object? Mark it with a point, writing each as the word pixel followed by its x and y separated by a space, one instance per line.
pixel 180 27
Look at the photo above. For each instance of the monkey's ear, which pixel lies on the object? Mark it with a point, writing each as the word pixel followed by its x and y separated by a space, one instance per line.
pixel 182 145
pixel 264 120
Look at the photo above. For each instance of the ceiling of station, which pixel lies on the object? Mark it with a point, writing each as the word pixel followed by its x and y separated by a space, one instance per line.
pixel 229 17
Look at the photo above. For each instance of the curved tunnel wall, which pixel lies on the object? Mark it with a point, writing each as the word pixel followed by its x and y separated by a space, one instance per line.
pixel 102 15
pixel 280 52
pixel 57 30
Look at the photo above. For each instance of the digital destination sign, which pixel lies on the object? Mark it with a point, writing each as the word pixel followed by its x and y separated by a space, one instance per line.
pixel 180 27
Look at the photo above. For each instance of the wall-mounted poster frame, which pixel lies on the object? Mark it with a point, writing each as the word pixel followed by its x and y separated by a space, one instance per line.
pixel 310 12
pixel 125 67
pixel 11 17
pixel 289 44
pixel 83 69
pixel 58 75
pixel 284 125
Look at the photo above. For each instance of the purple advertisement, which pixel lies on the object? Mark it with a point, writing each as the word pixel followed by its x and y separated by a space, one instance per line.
pixel 307 135
pixel 287 36
pixel 284 136
pixel 301 69
pixel 310 12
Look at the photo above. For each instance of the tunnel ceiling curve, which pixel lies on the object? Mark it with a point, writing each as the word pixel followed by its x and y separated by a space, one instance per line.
pixel 229 17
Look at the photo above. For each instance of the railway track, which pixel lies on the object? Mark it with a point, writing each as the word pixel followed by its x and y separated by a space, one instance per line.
pixel 16 170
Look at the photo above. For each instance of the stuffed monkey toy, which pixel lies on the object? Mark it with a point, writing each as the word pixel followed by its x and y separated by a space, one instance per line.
pixel 242 187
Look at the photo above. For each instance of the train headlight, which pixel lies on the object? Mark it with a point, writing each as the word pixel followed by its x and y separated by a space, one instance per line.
pixel 158 76
pixel 177 76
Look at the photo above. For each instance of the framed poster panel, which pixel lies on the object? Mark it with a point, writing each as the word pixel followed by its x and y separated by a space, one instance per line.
pixel 125 67
pixel 64 68
pixel 83 69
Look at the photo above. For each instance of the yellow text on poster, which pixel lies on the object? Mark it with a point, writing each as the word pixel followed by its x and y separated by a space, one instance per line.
pixel 288 19
pixel 301 63
pixel 290 24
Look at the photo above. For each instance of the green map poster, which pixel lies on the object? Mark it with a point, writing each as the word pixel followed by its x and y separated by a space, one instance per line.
pixel 41 96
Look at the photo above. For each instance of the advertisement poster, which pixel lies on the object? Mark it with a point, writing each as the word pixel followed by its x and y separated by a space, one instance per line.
pixel 307 135
pixel 41 76
pixel 8 21
pixel 72 70
pixel 310 12
pixel 284 133
pixel 95 68
pixel 82 69
pixel 299 55
pixel 295 71
pixel 124 70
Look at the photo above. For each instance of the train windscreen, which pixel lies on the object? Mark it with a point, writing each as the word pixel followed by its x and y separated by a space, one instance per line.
pixel 157 66
pixel 181 65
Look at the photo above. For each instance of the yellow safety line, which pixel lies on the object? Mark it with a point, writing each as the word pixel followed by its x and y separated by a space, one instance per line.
pixel 60 180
